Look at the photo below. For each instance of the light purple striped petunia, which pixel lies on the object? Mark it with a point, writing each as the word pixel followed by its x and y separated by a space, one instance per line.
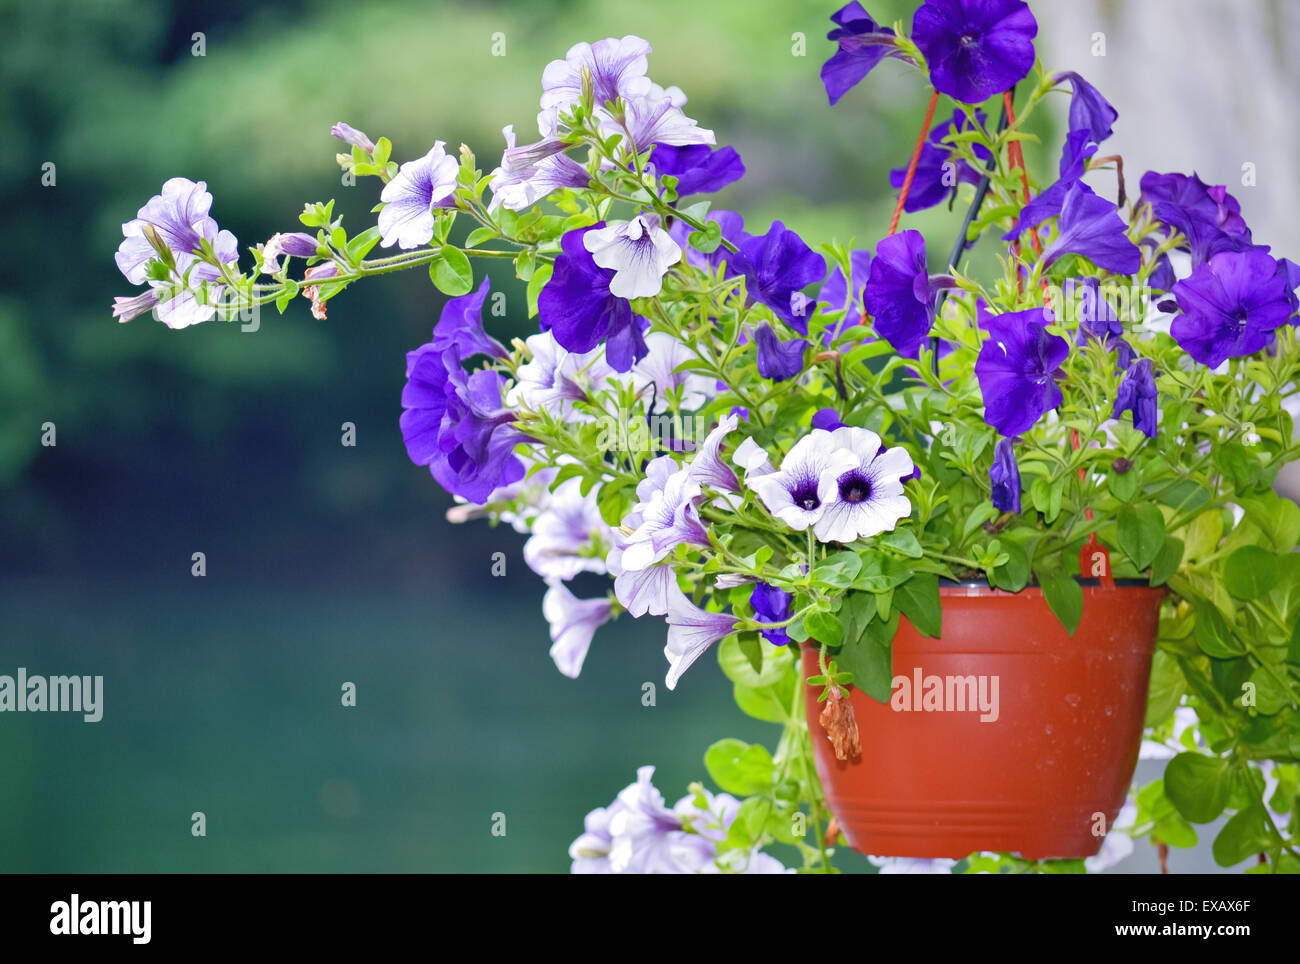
pixel 178 219
pixel 410 198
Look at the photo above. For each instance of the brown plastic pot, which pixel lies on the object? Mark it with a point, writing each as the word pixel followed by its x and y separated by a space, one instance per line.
pixel 1037 779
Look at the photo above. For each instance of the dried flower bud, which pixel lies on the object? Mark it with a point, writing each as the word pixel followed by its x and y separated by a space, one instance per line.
pixel 841 726
pixel 1121 465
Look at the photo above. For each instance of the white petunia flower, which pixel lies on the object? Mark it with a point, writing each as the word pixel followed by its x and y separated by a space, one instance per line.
pixel 639 252
pixel 798 493
pixel 868 498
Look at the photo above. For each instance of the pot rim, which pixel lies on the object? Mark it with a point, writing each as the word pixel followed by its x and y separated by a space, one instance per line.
pixel 1085 582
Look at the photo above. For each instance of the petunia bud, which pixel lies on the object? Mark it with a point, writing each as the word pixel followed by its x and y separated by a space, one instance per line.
pixel 588 90
pixel 156 242
pixel 345 132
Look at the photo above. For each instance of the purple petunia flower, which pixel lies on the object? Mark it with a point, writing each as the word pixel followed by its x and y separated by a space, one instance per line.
pixel 410 198
pixel 1209 217
pixel 975 48
pixel 776 266
pixel 778 360
pixel 698 168
pixel 666 516
pixel 617 69
pixel 861 43
pixel 707 467
pixel 294 244
pixel 868 498
pixel 639 252
pixel 455 424
pixel 1097 320
pixel 578 306
pixel 659 376
pixel 807 481
pixel 939 170
pixel 124 309
pixel 1137 393
pixel 178 218
pixel 641 591
pixel 573 623
pixel 349 134
pixel 564 532
pixel 827 419
pixel 733 230
pixel 527 174
pixel 638 834
pixel 1005 477
pixel 1091 226
pixel 1074 163
pixel 1089 111
pixel 771 605
pixel 654 116
pixel 460 326
pixel 899 294
pixel 1230 306
pixel 554 378
pixel 1017 368
pixel 691 630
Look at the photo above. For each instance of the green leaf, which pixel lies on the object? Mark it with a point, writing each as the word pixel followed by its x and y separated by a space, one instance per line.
pixel 1198 785
pixel 1012 575
pixel 535 285
pixel 918 598
pixel 1122 485
pixel 752 647
pixel 451 272
pixel 737 667
pixel 1250 572
pixel 739 768
pixel 824 627
pixel 838 570
pixel 870 659
pixel 1204 533
pixel 1277 518
pixel 614 502
pixel 360 246
pixel 880 572
pixel 762 704
pixel 479 235
pixel 1246 833
pixel 1064 597
pixel 1213 634
pixel 1166 561
pixel 1166 688
pixel 903 541
pixel 1141 533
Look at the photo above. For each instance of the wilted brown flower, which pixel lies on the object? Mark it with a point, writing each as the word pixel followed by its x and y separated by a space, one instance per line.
pixel 841 726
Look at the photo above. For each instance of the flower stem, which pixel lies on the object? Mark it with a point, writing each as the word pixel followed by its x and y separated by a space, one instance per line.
pixel 911 165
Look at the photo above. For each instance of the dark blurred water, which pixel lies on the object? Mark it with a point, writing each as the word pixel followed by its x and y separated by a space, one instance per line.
pixel 228 702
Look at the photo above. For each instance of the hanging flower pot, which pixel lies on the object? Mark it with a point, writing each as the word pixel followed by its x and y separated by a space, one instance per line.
pixel 1004 734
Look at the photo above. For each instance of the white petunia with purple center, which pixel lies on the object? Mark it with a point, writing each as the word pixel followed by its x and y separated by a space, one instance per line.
pixel 639 252
pixel 806 483
pixel 868 498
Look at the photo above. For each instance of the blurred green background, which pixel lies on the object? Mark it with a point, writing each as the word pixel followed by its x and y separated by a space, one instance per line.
pixel 327 564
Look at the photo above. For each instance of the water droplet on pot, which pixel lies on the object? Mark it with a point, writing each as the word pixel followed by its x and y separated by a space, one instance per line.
pixel 1073 699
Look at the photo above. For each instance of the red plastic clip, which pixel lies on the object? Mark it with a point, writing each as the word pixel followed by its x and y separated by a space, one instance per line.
pixel 1094 558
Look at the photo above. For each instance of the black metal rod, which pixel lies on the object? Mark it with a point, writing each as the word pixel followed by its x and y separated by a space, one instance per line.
pixel 981 191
